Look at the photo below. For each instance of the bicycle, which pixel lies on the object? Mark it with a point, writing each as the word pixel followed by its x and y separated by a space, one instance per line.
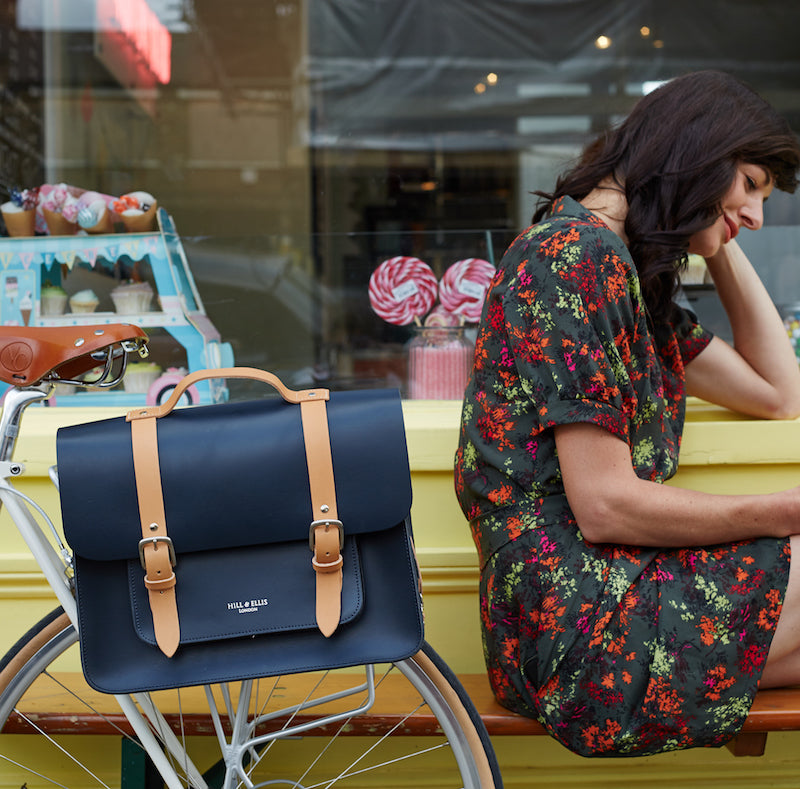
pixel 261 728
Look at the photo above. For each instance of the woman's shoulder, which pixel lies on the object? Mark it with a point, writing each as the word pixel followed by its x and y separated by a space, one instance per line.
pixel 568 218
pixel 570 233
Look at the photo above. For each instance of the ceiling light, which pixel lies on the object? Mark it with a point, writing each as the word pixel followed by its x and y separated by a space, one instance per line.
pixel 602 42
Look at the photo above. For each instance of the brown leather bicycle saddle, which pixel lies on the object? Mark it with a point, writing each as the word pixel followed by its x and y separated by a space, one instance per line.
pixel 28 354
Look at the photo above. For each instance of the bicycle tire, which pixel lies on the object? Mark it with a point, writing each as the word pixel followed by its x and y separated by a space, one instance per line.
pixel 450 736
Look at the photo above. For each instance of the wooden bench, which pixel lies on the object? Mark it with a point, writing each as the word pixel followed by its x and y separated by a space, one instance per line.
pixel 773 710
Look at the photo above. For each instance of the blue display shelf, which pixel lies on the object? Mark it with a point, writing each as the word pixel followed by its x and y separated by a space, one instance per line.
pixel 28 263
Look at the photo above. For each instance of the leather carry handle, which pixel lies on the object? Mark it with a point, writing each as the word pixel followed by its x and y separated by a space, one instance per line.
pixel 289 395
pixel 326 533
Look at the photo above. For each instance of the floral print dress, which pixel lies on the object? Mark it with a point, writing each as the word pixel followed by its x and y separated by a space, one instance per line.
pixel 617 650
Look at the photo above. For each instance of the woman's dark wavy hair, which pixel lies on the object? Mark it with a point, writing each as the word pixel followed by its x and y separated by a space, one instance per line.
pixel 675 157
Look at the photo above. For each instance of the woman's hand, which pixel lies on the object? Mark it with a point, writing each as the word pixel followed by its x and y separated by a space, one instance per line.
pixel 759 375
pixel 612 505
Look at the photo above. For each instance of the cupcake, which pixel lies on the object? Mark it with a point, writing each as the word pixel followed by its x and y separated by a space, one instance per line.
pixel 54 300
pixel 93 376
pixel 132 297
pixel 139 376
pixel 84 301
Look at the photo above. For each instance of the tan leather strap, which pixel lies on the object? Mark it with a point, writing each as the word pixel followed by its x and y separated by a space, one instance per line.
pixel 326 536
pixel 155 548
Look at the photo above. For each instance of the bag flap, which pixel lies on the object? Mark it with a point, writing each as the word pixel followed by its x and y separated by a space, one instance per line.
pixel 234 474
pixel 232 593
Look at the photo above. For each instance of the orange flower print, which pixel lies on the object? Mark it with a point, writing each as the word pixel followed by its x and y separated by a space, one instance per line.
pixel 708 631
pixel 501 496
pixel 600 739
pixel 718 680
pixel 553 246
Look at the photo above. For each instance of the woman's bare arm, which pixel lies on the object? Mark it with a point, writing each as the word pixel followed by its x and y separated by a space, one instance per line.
pixel 612 505
pixel 759 375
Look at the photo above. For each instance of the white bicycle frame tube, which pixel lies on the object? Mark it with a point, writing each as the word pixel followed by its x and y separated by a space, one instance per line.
pixel 43 552
pixel 56 576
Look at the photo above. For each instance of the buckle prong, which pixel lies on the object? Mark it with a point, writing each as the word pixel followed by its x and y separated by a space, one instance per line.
pixel 153 541
pixel 325 522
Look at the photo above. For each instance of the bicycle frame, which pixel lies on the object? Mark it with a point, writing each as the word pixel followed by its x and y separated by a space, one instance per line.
pixel 56 567
pixel 48 559
pixel 56 572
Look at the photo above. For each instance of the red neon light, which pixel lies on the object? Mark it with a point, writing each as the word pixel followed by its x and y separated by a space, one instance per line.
pixel 135 20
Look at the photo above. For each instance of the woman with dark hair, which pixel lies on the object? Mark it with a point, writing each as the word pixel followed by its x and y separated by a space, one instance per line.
pixel 629 616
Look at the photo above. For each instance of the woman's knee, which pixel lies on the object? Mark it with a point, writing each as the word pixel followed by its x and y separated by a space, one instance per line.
pixel 784 651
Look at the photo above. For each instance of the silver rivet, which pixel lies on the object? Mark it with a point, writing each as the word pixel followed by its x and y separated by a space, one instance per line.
pixel 80 341
pixel 324 508
pixel 99 332
pixel 153 527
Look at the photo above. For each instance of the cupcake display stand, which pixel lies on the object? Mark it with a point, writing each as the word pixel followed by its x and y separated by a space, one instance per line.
pixel 30 277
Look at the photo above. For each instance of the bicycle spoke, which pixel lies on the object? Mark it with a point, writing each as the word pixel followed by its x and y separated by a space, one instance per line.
pixel 346 773
pixel 317 750
pixel 62 750
pixel 322 753
pixel 258 756
pixel 378 766
pixel 88 706
pixel 32 772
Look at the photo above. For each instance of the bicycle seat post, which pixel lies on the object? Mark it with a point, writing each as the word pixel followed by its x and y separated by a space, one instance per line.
pixel 14 403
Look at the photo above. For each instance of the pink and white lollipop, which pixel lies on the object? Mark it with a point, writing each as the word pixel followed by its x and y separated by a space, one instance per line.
pixel 463 287
pixel 402 290
pixel 440 317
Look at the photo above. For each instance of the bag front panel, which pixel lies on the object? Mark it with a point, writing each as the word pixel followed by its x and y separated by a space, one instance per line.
pixel 116 660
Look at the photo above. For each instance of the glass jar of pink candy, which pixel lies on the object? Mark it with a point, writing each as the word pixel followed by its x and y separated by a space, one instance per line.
pixel 439 362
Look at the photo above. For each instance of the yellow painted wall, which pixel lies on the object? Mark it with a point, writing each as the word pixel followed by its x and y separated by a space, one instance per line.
pixel 722 453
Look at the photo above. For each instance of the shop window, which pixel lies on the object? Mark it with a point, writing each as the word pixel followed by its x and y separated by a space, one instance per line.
pixel 298 145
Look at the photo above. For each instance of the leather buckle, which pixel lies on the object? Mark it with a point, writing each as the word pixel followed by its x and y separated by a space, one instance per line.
pixel 153 541
pixel 325 522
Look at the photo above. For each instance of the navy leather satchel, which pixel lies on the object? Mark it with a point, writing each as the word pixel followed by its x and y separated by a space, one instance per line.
pixel 243 539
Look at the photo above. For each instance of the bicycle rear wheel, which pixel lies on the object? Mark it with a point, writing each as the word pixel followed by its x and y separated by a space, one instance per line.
pixel 305 730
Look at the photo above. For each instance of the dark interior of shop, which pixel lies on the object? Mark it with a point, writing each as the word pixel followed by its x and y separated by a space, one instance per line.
pixel 314 138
